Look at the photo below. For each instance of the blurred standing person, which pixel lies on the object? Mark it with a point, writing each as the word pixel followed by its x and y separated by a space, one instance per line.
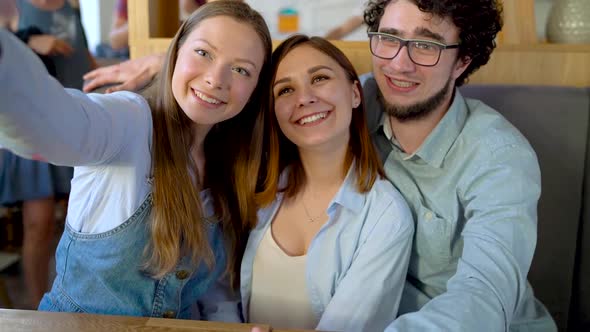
pixel 54 31
pixel 61 19
pixel 119 36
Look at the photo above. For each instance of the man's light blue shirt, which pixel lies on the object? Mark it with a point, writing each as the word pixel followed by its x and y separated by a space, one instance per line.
pixel 357 262
pixel 473 187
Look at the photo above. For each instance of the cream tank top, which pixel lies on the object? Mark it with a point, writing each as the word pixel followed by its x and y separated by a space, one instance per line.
pixel 279 291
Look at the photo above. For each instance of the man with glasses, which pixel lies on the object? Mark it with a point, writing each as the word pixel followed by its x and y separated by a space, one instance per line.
pixel 471 179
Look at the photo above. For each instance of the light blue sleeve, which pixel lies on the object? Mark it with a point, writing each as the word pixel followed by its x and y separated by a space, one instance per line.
pixel 500 208
pixel 368 297
pixel 64 126
pixel 220 304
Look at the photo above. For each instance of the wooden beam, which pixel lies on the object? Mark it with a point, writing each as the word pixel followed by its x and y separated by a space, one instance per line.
pixel 150 19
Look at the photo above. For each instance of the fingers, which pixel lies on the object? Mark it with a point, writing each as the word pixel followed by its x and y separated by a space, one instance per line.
pixel 133 84
pixel 256 329
pixel 62 47
pixel 100 72
pixel 132 74
pixel 100 77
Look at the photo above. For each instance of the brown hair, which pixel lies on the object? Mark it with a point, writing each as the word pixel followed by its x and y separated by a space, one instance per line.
pixel 478 21
pixel 233 150
pixel 283 153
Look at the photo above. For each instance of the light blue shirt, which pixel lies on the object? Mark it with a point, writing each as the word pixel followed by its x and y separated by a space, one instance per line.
pixel 473 187
pixel 356 263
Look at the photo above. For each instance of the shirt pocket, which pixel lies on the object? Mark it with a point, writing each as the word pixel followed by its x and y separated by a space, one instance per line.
pixel 433 238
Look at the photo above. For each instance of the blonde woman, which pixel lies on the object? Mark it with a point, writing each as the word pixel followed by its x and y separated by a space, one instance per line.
pixel 163 188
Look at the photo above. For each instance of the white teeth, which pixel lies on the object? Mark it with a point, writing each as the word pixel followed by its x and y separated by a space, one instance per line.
pixel 402 84
pixel 313 118
pixel 207 99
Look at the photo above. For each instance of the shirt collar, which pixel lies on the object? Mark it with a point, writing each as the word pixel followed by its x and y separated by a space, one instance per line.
pixel 437 144
pixel 347 196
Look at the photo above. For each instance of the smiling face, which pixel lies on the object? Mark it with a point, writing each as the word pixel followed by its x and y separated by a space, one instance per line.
pixel 313 99
pixel 216 70
pixel 410 91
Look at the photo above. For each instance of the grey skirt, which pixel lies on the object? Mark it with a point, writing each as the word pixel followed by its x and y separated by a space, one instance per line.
pixel 23 179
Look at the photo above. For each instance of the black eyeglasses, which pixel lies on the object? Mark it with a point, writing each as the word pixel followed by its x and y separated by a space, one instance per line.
pixel 421 52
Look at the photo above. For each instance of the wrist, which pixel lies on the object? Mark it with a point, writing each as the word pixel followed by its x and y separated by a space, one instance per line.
pixel 156 63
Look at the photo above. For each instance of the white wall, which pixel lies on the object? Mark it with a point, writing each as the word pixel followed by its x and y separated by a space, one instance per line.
pixel 97 17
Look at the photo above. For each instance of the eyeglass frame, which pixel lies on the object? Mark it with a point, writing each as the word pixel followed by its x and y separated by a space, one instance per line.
pixel 405 42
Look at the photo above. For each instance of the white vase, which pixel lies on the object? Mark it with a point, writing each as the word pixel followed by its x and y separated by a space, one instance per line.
pixel 569 22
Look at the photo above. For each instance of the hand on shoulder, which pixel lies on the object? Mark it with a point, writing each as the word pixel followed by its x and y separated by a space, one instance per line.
pixel 130 75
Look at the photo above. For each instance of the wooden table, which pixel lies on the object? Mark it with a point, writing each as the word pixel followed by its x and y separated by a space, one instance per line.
pixel 32 321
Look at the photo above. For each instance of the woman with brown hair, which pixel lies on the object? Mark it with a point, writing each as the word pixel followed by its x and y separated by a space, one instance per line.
pixel 332 231
pixel 163 190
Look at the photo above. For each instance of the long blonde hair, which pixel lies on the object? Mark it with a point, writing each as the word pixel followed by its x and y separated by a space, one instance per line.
pixel 233 150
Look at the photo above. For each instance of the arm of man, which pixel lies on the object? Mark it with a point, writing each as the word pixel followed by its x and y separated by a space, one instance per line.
pixel 220 304
pixel 368 296
pixel 64 126
pixel 345 28
pixel 500 233
pixel 130 75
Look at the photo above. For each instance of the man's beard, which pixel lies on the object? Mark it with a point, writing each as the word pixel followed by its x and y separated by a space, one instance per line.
pixel 418 110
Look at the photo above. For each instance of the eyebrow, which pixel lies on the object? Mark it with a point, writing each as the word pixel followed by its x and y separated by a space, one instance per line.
pixel 309 71
pixel 237 59
pixel 422 32
pixel 429 34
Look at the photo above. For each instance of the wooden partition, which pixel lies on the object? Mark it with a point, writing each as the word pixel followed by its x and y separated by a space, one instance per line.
pixel 32 320
pixel 519 58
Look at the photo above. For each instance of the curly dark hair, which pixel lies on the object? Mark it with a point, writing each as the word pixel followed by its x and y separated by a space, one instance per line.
pixel 478 21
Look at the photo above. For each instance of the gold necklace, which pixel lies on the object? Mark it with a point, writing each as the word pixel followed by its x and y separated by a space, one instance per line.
pixel 309 217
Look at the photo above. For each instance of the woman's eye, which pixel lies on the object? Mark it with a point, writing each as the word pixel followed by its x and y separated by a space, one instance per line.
pixel 202 53
pixel 319 78
pixel 283 91
pixel 241 71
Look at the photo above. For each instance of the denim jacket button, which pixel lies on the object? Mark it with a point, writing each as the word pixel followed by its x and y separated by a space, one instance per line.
pixel 169 314
pixel 182 274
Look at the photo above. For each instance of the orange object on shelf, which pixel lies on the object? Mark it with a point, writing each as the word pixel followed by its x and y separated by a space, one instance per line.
pixel 288 20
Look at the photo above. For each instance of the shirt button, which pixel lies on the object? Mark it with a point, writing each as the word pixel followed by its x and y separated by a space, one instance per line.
pixel 428 216
pixel 182 274
pixel 169 314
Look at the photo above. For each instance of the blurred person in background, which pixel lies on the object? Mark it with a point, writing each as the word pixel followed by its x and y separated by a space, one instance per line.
pixel 53 30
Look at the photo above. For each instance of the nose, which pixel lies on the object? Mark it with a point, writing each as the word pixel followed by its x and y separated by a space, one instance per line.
pixel 218 77
pixel 305 96
pixel 402 62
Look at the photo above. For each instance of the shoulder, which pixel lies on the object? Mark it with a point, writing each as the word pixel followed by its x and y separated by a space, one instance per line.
pixel 371 98
pixel 130 119
pixel 122 97
pixel 369 85
pixel 122 101
pixel 488 135
pixel 388 209
pixel 496 156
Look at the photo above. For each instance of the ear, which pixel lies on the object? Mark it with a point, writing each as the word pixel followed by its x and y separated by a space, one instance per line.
pixel 460 66
pixel 356 94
